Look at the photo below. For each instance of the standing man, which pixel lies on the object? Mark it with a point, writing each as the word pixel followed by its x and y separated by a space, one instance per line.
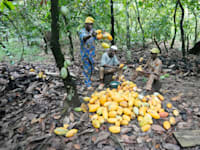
pixel 87 38
pixel 152 70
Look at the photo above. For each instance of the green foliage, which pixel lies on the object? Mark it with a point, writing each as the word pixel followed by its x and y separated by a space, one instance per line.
pixel 7 4
pixel 33 19
pixel 12 52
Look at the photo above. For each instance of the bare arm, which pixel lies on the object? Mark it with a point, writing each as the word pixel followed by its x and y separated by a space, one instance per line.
pixel 93 34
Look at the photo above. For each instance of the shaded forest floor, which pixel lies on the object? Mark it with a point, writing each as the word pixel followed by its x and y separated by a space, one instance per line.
pixel 30 108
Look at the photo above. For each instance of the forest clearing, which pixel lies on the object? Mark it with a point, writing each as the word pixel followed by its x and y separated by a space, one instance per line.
pixel 83 75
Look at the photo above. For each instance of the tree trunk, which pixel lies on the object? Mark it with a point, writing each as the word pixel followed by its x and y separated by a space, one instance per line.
pixel 166 49
pixel 112 22
pixel 71 45
pixel 188 43
pixel 136 22
pixel 47 39
pixel 70 40
pixel 196 27
pixel 173 40
pixel 138 18
pixel 69 84
pixel 128 44
pixel 156 42
pixel 182 30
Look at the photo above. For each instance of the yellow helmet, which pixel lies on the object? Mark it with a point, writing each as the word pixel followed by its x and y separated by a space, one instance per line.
pixel 89 20
pixel 155 51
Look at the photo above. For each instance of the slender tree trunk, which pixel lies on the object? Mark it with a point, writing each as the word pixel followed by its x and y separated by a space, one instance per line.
pixel 112 22
pixel 118 26
pixel 175 29
pixel 138 18
pixel 188 43
pixel 71 45
pixel 69 84
pixel 136 22
pixel 156 42
pixel 128 44
pixel 70 40
pixel 182 30
pixel 20 36
pixel 166 49
pixel 196 27
pixel 46 38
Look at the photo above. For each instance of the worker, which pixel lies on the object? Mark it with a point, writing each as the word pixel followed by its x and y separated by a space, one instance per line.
pixel 109 64
pixel 152 71
pixel 87 50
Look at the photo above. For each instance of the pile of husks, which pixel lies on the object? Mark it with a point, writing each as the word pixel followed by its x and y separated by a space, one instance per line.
pixel 119 106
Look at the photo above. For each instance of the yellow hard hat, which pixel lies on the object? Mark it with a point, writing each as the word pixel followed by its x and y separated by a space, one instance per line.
pixel 89 20
pixel 155 51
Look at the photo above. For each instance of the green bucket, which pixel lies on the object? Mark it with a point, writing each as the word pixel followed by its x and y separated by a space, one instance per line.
pixel 114 84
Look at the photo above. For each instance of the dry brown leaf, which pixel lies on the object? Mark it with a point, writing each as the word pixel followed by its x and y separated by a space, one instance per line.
pixel 21 129
pixel 103 135
pixel 125 138
pixel 77 146
pixel 165 91
pixel 34 120
pixel 52 128
pixel 51 148
pixel 43 124
pixel 125 130
pixel 57 117
pixel 158 128
pixel 41 120
pixel 157 146
pixel 94 138
pixel 71 117
pixel 177 98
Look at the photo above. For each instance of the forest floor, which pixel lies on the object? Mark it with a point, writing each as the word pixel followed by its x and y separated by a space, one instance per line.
pixel 30 108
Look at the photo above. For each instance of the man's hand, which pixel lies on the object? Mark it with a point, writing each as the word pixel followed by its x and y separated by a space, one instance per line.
pixel 94 34
pixel 115 67
pixel 107 66
pixel 87 37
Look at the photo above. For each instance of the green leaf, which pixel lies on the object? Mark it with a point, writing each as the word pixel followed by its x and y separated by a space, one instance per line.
pixel 9 5
pixel 2 6
pixel 140 4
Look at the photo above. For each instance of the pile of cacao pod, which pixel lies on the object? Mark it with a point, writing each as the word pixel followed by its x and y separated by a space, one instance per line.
pixel 119 106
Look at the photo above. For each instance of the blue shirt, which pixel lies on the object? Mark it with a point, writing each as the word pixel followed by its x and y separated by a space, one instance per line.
pixel 88 46
pixel 111 61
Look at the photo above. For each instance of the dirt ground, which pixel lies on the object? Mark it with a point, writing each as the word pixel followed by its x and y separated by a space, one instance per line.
pixel 31 108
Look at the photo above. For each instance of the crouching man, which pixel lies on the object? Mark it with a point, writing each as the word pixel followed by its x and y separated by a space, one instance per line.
pixel 109 64
pixel 152 71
